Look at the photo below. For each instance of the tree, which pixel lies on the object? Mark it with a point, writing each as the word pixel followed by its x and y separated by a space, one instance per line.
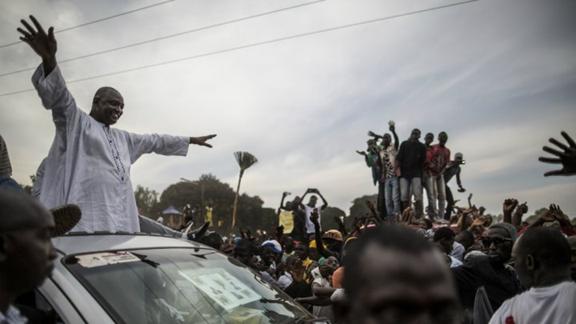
pixel 146 200
pixel 328 215
pixel 245 160
pixel 359 208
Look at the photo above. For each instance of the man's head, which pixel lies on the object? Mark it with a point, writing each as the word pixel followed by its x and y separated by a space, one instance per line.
pixel 333 240
pixel 542 257
pixel 26 250
pixel 394 275
pixel 415 135
pixel 442 138
pixel 107 106
pixel 428 138
pixel 498 241
pixel 459 158
pixel 466 238
pixel 444 238
pixel 313 200
pixel 386 140
pixel 244 251
pixel 301 250
pixel 328 266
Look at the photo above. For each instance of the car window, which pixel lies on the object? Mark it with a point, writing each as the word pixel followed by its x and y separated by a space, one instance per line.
pixel 180 286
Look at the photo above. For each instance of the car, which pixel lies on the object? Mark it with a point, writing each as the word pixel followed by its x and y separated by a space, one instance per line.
pixel 145 278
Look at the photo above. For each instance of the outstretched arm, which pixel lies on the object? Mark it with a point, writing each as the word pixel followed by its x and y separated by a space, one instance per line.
pixel 567 158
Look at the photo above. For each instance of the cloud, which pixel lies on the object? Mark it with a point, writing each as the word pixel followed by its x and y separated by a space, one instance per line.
pixel 498 76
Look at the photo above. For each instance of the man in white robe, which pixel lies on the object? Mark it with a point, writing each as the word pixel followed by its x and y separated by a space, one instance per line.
pixel 89 162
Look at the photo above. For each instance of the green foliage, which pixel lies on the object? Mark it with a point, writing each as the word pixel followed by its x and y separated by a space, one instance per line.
pixel 147 201
pixel 359 208
pixel 328 216
pixel 208 190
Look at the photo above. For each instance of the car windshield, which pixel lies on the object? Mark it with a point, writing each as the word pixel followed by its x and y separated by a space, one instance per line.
pixel 180 286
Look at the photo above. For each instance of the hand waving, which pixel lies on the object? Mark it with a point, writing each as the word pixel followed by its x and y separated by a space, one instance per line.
pixel 43 44
pixel 567 158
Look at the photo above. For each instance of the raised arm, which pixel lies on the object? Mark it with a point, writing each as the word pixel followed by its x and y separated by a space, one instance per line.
pixel 47 79
pixel 396 141
pixel 304 196
pixel 324 202
pixel 284 194
pixel 44 44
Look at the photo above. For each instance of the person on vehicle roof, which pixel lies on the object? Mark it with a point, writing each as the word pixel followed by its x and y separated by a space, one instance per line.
pixel 89 162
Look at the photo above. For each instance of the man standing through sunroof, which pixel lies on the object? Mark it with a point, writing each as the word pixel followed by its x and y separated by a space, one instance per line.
pixel 89 161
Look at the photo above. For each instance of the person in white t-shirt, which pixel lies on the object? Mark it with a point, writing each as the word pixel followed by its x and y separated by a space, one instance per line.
pixel 310 207
pixel 543 264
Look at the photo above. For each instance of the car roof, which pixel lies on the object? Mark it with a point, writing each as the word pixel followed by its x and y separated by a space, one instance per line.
pixel 85 242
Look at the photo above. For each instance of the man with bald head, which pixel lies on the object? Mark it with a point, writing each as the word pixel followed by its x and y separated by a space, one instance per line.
pixel 542 261
pixel 89 161
pixel 26 250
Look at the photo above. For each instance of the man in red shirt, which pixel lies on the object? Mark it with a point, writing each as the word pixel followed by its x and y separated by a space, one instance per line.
pixel 437 158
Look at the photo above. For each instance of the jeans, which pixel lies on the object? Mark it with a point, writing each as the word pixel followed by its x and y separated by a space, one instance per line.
pixel 381 203
pixel 392 193
pixel 428 189
pixel 438 192
pixel 409 187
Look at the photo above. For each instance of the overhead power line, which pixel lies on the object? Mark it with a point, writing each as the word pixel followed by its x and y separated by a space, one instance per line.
pixel 169 36
pixel 271 41
pixel 98 20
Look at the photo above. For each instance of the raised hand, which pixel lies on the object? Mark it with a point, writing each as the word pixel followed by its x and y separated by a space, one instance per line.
pixel 522 208
pixel 567 158
pixel 202 140
pixel 558 214
pixel 509 206
pixel 517 216
pixel 361 152
pixel 43 44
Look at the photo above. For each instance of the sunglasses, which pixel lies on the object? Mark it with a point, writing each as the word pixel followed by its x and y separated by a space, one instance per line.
pixel 487 241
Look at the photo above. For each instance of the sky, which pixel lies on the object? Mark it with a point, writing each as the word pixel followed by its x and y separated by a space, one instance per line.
pixel 498 76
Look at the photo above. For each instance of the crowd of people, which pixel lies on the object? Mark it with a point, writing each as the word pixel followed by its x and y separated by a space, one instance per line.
pixel 471 270
pixel 404 171
pixel 396 265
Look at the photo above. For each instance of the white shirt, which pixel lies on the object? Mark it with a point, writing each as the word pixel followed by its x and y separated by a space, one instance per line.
pixel 554 304
pixel 89 162
pixel 309 225
pixel 458 251
pixel 455 262
pixel 12 316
